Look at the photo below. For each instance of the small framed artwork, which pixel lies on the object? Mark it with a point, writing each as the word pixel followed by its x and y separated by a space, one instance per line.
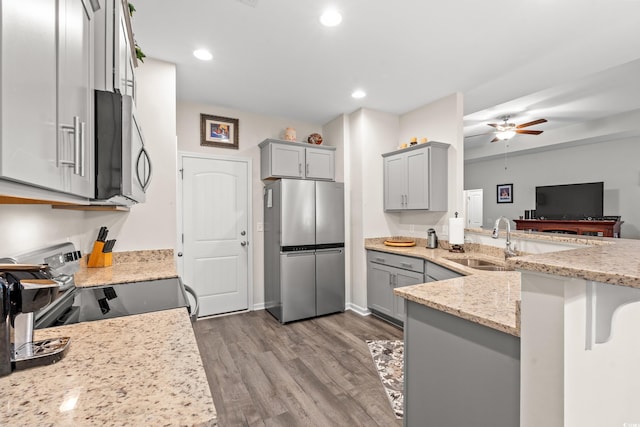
pixel 505 193
pixel 217 131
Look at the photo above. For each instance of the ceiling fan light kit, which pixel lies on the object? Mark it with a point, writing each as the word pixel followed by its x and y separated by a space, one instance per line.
pixel 505 134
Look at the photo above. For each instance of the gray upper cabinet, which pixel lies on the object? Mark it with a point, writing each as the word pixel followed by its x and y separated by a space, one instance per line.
pixel 46 95
pixel 115 57
pixel 75 100
pixel 415 178
pixel 285 159
pixel 320 163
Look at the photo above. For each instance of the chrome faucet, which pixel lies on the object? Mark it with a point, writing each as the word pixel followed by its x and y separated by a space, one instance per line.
pixel 508 252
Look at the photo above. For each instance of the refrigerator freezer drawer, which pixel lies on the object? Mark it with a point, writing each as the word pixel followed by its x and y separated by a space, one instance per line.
pixel 329 281
pixel 297 285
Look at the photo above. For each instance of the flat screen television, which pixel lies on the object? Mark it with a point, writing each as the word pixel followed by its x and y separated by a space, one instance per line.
pixel 571 201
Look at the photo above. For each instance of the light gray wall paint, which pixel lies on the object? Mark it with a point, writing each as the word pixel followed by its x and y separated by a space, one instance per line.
pixel 614 162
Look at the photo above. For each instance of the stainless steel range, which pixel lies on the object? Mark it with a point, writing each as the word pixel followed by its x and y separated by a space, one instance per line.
pixel 82 304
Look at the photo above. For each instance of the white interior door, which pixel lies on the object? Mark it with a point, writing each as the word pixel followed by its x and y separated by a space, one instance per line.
pixel 215 216
pixel 473 205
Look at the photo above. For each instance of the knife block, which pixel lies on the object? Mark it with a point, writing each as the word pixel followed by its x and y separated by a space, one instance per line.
pixel 97 258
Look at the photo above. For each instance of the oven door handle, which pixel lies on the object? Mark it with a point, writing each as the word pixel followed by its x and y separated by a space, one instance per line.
pixel 193 310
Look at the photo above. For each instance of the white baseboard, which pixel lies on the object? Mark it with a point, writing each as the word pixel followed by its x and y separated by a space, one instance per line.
pixel 357 309
pixel 259 306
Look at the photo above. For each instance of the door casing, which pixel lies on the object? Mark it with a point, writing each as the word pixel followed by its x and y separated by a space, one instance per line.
pixel 180 210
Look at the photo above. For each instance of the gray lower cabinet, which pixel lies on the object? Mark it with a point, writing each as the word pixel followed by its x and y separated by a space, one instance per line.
pixel 386 272
pixel 458 373
pixel 435 272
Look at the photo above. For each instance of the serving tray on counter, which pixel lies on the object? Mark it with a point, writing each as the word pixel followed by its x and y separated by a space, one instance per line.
pixel 400 242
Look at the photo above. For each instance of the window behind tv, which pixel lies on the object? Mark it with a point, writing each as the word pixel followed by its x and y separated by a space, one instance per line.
pixel 571 201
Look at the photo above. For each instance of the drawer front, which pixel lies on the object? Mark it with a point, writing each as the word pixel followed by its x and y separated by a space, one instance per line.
pixel 399 261
pixel 438 272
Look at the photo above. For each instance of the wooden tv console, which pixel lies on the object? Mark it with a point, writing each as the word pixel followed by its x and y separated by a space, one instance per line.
pixel 582 227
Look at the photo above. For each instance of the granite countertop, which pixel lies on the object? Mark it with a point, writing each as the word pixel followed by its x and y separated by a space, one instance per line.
pixel 612 261
pixel 493 298
pixel 128 371
pixel 489 298
pixel 601 259
pixel 134 266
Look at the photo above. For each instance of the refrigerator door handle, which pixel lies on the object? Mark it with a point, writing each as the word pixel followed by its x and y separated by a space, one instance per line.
pixel 300 253
pixel 329 251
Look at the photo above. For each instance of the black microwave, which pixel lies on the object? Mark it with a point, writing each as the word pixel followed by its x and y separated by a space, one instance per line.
pixel 123 165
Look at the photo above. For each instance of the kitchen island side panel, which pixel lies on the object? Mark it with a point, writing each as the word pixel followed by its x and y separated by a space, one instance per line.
pixel 458 373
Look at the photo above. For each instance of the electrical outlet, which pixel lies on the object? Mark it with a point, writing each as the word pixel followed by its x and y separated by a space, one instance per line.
pixel 260 226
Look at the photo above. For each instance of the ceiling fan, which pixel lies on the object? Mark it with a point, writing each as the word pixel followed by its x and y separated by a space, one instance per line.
pixel 508 130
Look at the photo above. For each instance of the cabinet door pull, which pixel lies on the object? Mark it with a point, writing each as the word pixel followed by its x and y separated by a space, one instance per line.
pixel 83 148
pixel 300 169
pixel 406 264
pixel 380 259
pixel 77 142
pixel 307 170
pixel 62 143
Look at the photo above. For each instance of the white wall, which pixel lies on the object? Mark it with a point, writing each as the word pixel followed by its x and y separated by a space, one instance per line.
pixel 373 133
pixel 614 162
pixel 253 129
pixel 370 134
pixel 151 225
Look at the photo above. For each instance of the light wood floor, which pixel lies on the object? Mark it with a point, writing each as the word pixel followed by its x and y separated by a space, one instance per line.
pixel 314 372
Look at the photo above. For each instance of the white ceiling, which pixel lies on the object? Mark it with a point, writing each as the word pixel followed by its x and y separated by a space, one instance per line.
pixel 564 60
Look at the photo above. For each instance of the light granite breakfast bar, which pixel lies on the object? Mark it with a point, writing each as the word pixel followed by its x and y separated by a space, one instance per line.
pixel 575 309
pixel 461 340
pixel 141 370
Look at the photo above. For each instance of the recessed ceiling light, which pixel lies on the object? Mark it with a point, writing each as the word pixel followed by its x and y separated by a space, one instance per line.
pixel 330 18
pixel 357 94
pixel 203 54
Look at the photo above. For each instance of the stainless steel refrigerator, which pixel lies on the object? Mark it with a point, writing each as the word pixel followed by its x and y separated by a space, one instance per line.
pixel 303 248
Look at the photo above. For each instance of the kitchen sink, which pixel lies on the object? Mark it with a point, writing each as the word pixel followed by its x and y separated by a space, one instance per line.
pixel 480 264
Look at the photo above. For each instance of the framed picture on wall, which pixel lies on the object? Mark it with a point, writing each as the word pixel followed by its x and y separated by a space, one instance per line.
pixel 217 131
pixel 505 193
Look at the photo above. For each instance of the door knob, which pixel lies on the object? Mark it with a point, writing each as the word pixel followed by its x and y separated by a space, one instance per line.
pixel 179 254
pixel 244 243
pixel 242 233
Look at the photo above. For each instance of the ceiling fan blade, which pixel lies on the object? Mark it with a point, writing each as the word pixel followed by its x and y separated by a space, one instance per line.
pixel 535 122
pixel 495 139
pixel 529 132
pixel 479 134
pixel 495 125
